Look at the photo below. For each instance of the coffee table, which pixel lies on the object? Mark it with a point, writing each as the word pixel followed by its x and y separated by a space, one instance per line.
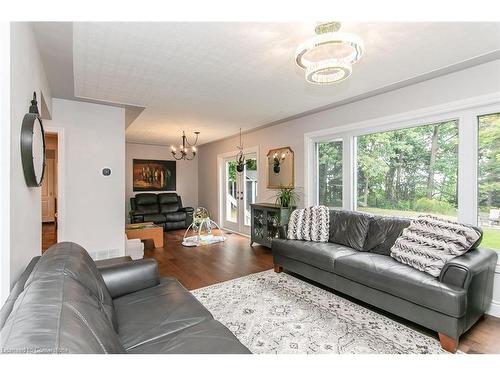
pixel 145 231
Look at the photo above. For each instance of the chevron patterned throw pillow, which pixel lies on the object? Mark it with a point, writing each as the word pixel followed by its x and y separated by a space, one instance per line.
pixel 309 224
pixel 429 242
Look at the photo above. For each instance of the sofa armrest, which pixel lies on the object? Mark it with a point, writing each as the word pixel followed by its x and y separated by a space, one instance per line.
pixel 187 209
pixel 136 216
pixel 461 270
pixel 129 277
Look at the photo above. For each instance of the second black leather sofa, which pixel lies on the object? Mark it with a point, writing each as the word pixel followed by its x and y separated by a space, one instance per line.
pixel 163 209
pixel 63 303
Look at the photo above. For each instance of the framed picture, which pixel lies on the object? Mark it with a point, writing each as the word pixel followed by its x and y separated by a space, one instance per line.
pixel 154 175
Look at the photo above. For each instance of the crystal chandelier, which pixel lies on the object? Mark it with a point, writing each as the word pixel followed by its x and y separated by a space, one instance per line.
pixel 328 56
pixel 184 153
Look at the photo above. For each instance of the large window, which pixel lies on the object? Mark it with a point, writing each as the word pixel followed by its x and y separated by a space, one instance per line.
pixel 409 172
pixel 330 173
pixel 489 179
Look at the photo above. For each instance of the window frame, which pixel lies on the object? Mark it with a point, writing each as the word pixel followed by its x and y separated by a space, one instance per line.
pixel 316 166
pixel 363 133
pixel 466 112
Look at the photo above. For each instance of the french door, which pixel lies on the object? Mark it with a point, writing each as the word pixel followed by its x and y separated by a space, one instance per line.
pixel 240 190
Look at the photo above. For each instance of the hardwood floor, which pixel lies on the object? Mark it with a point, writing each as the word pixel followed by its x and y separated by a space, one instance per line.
pixel 196 267
pixel 207 265
pixel 49 235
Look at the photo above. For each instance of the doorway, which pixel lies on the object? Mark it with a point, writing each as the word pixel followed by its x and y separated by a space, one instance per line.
pixel 49 194
pixel 239 191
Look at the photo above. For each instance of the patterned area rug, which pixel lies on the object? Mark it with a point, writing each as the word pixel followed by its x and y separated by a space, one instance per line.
pixel 278 313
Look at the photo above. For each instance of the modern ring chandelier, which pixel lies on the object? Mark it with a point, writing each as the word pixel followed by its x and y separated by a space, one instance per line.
pixel 328 56
pixel 184 153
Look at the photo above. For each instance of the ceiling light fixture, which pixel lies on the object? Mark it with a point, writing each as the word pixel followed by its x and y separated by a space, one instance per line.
pixel 184 153
pixel 328 56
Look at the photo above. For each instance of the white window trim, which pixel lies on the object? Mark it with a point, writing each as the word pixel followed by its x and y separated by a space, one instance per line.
pixel 465 111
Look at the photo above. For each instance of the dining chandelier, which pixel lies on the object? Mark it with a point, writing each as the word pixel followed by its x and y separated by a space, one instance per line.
pixel 329 55
pixel 186 151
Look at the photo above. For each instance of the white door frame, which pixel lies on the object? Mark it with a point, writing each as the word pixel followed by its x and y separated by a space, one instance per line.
pixel 220 182
pixel 61 181
pixel 233 226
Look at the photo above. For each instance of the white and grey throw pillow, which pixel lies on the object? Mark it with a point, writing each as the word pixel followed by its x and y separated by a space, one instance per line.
pixel 429 242
pixel 309 224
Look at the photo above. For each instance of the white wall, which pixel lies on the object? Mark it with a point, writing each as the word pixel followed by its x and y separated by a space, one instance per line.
pixel 93 205
pixel 4 160
pixel 26 75
pixel 187 172
pixel 473 82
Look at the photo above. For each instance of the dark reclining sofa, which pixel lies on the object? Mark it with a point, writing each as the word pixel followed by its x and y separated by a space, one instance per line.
pixel 63 303
pixel 356 261
pixel 164 209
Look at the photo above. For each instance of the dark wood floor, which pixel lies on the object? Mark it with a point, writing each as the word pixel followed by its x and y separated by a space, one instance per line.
pixel 49 235
pixel 196 267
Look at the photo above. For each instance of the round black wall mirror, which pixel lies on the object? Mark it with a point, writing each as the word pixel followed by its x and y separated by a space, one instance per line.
pixel 33 146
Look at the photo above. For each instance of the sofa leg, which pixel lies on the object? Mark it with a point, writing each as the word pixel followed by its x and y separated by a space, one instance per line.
pixel 277 268
pixel 447 343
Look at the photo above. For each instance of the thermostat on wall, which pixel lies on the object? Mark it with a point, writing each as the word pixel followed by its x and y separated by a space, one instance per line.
pixel 106 171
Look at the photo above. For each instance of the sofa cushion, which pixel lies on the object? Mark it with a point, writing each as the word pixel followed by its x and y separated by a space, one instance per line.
pixel 146 199
pixel 169 202
pixel 322 255
pixel 383 232
pixel 155 218
pixel 168 198
pixel 72 260
pixel 206 337
pixel 146 203
pixel 349 228
pixel 58 314
pixel 386 274
pixel 151 313
pixel 169 208
pixel 176 216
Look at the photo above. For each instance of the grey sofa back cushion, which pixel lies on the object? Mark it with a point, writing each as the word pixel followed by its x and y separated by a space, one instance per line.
pixel 58 315
pixel 383 232
pixel 16 290
pixel 72 260
pixel 349 228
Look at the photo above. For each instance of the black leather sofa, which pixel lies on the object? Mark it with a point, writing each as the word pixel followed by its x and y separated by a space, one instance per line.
pixel 356 261
pixel 164 209
pixel 63 303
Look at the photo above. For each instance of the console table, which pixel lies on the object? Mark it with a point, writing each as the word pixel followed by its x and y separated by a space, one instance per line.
pixel 267 221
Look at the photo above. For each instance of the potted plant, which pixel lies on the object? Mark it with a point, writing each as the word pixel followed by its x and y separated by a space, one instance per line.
pixel 287 198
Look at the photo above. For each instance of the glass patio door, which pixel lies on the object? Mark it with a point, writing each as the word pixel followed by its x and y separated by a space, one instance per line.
pixel 240 190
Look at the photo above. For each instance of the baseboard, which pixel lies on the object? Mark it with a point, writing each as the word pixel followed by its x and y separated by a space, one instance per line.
pixel 235 232
pixel 105 254
pixel 494 309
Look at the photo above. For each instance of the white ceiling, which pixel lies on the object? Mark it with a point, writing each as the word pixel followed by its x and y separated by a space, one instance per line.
pixel 218 77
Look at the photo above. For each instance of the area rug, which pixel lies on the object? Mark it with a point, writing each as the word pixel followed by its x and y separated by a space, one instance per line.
pixel 278 313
